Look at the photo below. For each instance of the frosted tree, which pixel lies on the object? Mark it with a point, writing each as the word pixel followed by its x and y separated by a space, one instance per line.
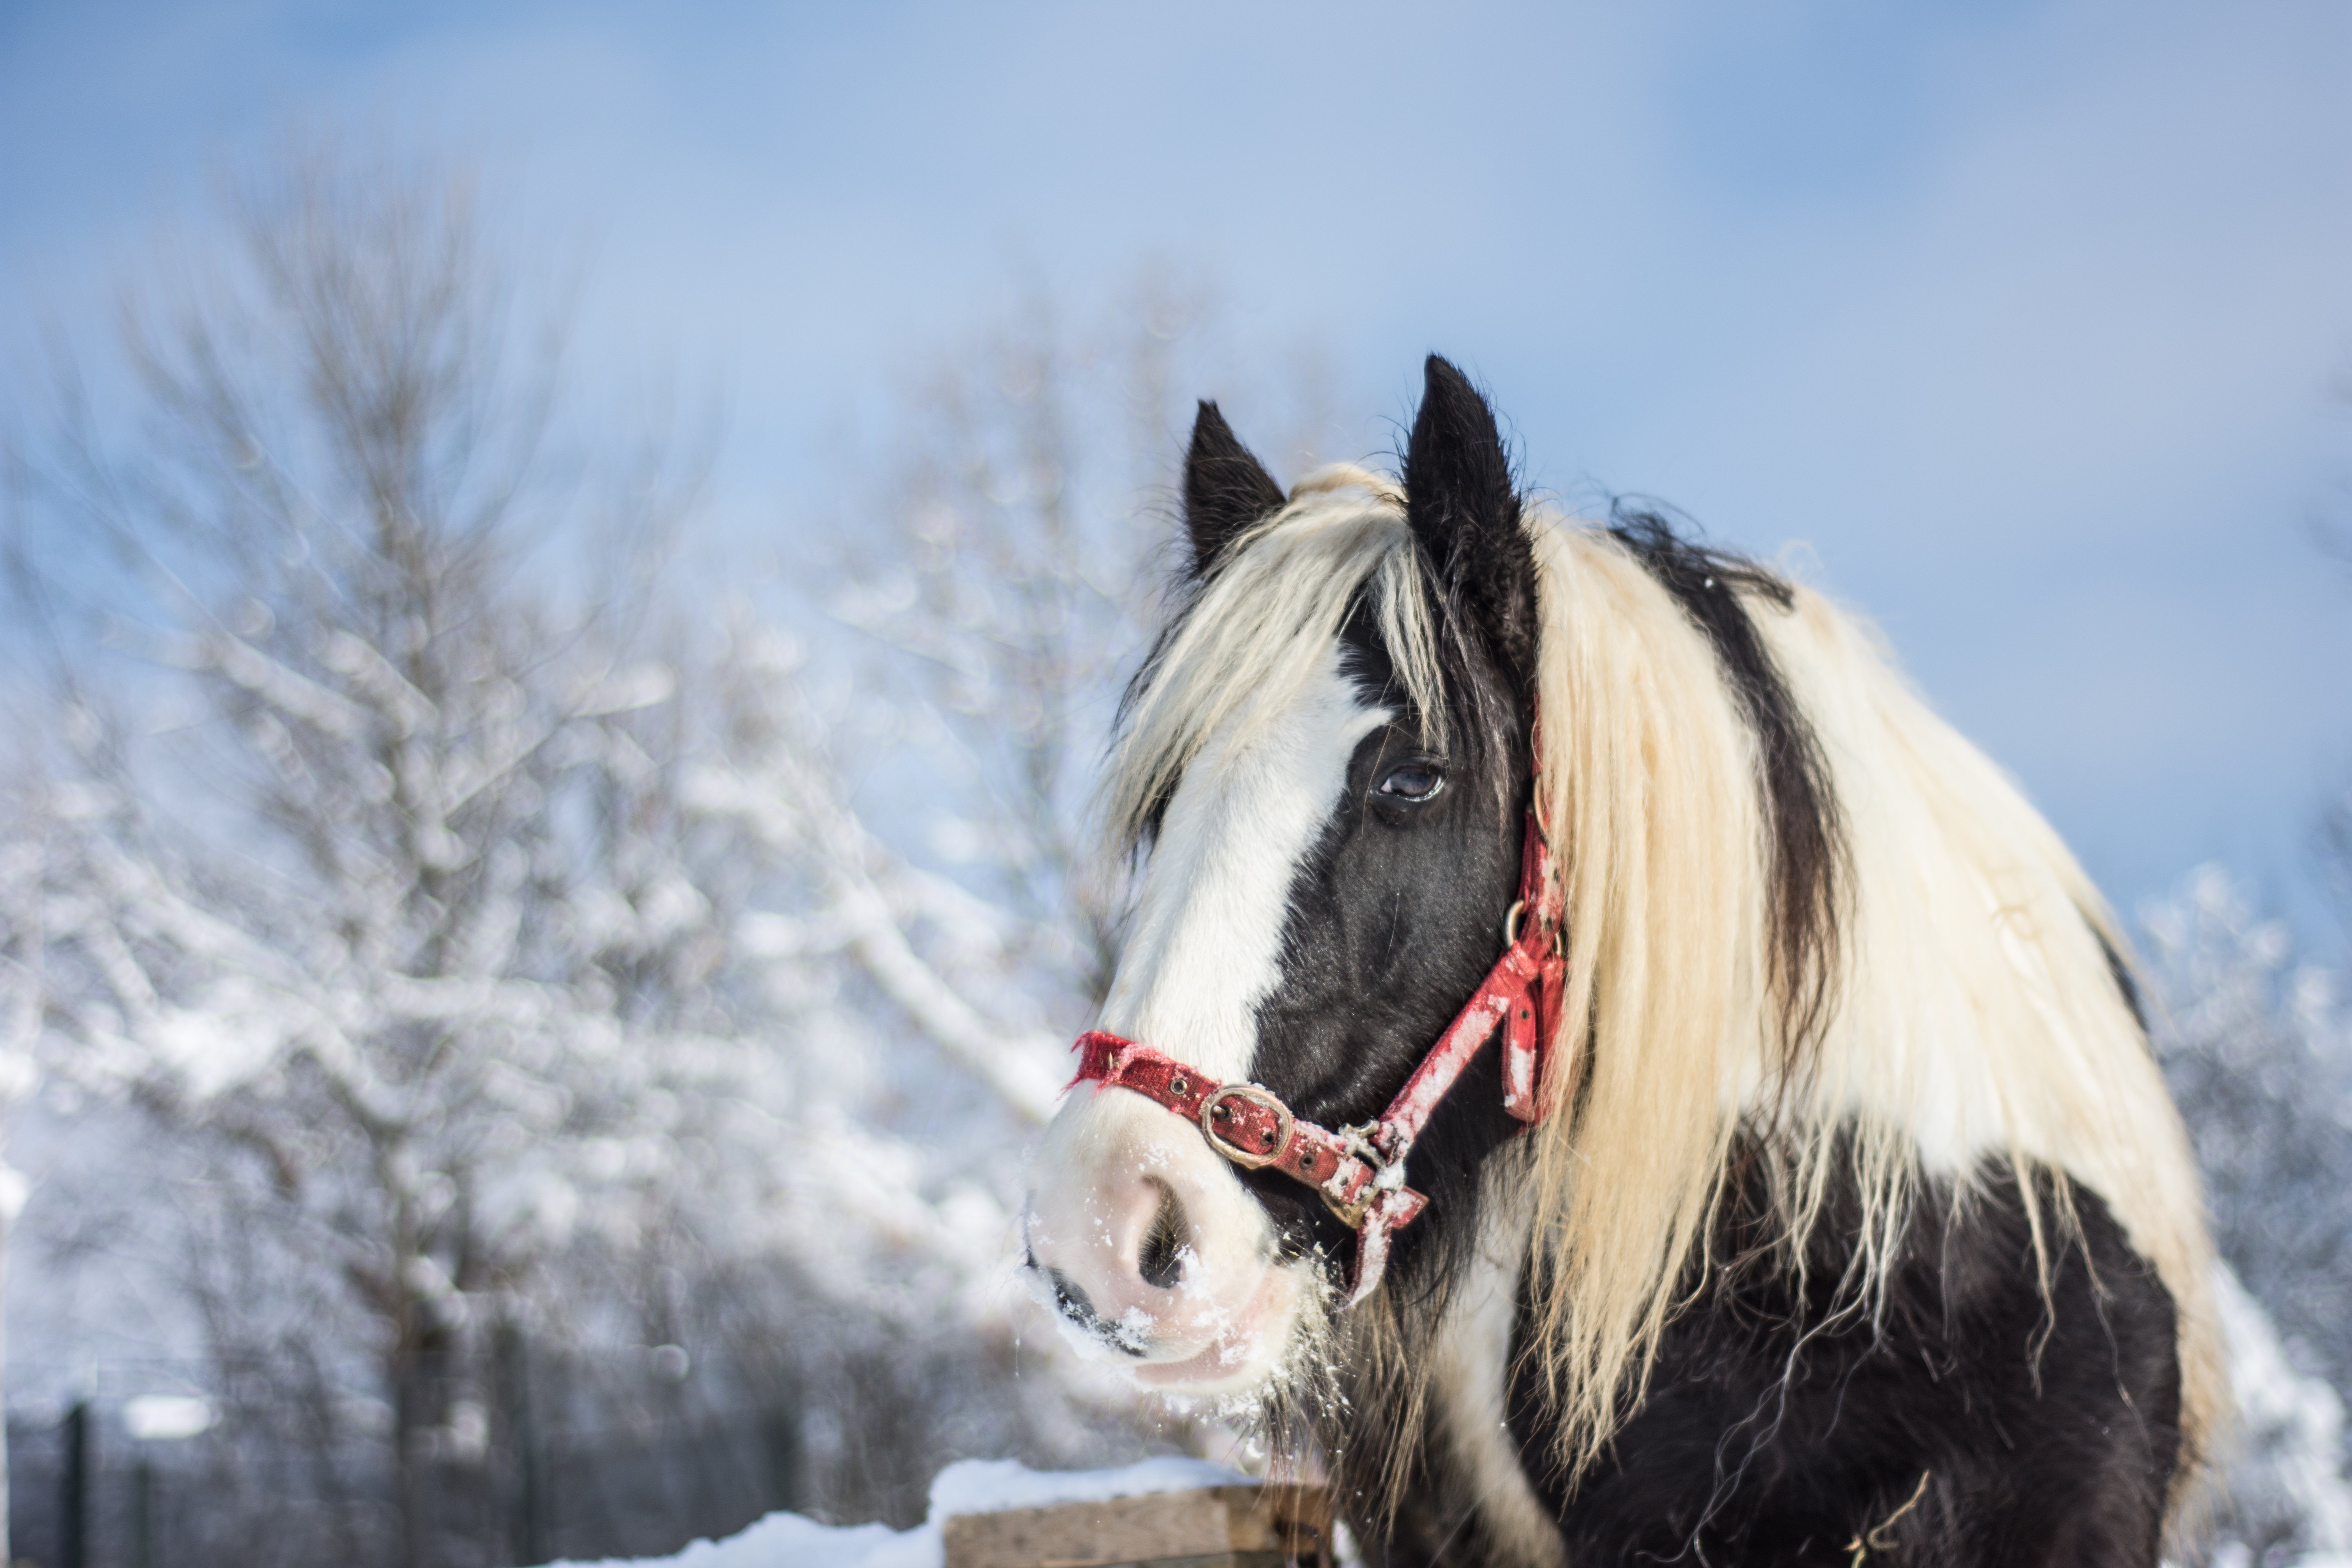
pixel 418 934
pixel 2259 1054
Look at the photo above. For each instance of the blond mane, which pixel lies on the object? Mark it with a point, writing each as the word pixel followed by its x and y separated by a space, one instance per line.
pixel 1261 626
pixel 1973 1006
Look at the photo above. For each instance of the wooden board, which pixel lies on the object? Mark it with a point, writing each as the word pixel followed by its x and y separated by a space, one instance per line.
pixel 1213 1527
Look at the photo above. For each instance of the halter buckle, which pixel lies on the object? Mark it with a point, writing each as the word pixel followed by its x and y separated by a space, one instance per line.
pixel 1361 1143
pixel 1249 1093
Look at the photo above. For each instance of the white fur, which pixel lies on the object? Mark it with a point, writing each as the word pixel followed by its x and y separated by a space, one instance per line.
pixel 1206 946
pixel 1263 629
pixel 1204 954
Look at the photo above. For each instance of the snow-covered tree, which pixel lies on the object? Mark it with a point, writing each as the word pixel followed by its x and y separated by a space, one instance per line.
pixel 2259 1053
pixel 416 934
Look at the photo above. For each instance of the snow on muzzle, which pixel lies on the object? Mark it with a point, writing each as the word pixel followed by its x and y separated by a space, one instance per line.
pixel 1151 1253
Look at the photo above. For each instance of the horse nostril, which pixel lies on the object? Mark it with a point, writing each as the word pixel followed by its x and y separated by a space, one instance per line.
pixel 1073 1302
pixel 1160 1258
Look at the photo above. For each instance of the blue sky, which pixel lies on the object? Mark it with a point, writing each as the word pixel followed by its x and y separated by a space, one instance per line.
pixel 2032 322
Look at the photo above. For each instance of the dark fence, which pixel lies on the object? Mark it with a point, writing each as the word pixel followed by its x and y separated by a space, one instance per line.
pixel 84 1493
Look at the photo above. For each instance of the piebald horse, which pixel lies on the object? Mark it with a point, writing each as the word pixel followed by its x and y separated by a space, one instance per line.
pixel 1596 1048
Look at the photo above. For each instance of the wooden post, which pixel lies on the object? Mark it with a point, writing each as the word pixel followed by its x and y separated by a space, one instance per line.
pixel 1211 1527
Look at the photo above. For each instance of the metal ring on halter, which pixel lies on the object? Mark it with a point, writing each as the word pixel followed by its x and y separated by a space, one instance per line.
pixel 1511 923
pixel 1248 1159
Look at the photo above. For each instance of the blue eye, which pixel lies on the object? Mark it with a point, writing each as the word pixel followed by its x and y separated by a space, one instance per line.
pixel 1413 783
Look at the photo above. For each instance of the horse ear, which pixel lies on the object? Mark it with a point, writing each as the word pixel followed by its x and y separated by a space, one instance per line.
pixel 1225 488
pixel 1461 504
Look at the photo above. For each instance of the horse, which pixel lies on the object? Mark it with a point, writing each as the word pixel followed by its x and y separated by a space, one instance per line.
pixel 1596 1053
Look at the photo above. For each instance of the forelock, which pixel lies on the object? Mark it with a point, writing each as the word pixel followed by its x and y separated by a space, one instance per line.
pixel 1255 630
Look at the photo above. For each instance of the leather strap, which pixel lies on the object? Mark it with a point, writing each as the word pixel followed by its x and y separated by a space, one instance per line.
pixel 1360 1170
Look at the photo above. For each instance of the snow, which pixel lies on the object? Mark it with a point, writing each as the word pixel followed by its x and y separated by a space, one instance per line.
pixel 166 1417
pixel 791 1540
pixel 975 1486
pixel 986 1486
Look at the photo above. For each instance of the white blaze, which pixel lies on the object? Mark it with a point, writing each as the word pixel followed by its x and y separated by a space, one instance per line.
pixel 1206 947
pixel 1205 953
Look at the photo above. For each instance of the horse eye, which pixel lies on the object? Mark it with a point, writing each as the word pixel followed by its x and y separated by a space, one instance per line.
pixel 1414 782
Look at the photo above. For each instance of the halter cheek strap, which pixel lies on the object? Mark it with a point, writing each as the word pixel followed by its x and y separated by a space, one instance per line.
pixel 1360 1171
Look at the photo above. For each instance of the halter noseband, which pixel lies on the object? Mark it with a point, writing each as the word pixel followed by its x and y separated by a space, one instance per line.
pixel 1360 1170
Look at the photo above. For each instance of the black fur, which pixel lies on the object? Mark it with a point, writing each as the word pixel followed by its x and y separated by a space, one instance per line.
pixel 1465 509
pixel 1394 918
pixel 1780 1430
pixel 1397 914
pixel 1808 868
pixel 1226 488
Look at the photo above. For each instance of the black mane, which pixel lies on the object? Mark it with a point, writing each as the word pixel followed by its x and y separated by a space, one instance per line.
pixel 1809 869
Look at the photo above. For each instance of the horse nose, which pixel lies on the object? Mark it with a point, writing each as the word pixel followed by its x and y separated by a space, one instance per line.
pixel 1121 1249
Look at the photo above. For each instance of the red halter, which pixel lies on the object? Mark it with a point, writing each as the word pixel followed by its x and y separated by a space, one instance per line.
pixel 1360 1170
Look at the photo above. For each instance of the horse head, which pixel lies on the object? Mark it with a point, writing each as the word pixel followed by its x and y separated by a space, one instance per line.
pixel 1326 764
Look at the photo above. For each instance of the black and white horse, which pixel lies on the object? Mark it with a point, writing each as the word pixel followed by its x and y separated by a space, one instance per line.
pixel 1853 1218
